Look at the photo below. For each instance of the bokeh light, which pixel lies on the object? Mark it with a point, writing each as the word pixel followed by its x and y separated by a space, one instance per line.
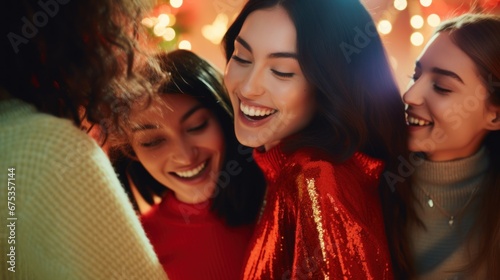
pixel 384 26
pixel 433 20
pixel 176 3
pixel 425 3
pixel 169 34
pixel 417 39
pixel 185 45
pixel 417 21
pixel 400 4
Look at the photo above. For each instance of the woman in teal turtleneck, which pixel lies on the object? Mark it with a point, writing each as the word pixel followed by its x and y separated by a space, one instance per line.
pixel 453 118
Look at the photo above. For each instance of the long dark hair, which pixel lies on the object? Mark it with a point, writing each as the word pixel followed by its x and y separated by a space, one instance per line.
pixel 359 104
pixel 238 198
pixel 62 56
pixel 477 35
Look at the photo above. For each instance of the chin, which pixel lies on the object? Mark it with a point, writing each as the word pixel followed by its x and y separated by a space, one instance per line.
pixel 247 140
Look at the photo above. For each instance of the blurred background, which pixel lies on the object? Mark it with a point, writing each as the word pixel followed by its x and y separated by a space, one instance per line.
pixel 405 26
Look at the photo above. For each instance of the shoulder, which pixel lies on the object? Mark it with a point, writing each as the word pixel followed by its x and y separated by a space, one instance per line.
pixel 39 132
pixel 45 147
pixel 311 162
pixel 313 170
pixel 316 161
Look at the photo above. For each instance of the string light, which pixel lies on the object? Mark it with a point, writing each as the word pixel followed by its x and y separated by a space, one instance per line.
pixel 163 20
pixel 185 45
pixel 417 39
pixel 425 3
pixel 384 27
pixel 159 30
pixel 149 22
pixel 400 4
pixel 417 21
pixel 176 3
pixel 433 20
pixel 172 19
pixel 215 31
pixel 169 34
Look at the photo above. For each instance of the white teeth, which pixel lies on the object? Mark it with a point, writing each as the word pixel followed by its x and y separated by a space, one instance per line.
pixel 254 111
pixel 416 121
pixel 191 173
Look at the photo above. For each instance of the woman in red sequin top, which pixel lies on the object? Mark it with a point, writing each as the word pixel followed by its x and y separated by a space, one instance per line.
pixel 313 93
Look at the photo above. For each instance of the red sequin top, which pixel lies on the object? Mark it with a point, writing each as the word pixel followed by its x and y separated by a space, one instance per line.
pixel 320 220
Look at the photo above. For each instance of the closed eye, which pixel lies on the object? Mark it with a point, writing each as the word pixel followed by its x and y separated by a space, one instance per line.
pixel 440 89
pixel 240 60
pixel 199 127
pixel 152 143
pixel 283 74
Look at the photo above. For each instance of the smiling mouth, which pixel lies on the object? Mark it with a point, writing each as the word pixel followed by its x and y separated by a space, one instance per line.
pixel 193 173
pixel 256 113
pixel 414 121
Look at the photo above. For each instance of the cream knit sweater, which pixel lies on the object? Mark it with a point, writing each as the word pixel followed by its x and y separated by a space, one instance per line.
pixel 68 216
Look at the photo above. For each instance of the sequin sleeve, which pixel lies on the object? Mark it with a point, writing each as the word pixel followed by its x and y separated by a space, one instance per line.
pixel 320 221
pixel 339 232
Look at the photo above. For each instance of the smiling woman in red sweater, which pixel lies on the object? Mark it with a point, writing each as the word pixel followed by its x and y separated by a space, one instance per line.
pixel 184 149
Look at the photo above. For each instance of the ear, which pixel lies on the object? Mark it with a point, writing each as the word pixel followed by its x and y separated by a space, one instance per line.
pixel 493 118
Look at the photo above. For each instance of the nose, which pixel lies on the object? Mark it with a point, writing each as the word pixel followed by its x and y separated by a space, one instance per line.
pixel 414 95
pixel 183 152
pixel 252 84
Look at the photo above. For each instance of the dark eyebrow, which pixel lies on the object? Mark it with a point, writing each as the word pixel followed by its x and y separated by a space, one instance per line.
pixel 247 46
pixel 444 72
pixel 191 111
pixel 244 43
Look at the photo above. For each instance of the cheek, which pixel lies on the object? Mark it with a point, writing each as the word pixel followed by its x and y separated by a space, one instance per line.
pixel 213 141
pixel 149 159
pixel 229 76
pixel 233 75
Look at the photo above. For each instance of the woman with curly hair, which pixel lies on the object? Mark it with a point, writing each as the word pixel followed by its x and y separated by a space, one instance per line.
pixel 69 216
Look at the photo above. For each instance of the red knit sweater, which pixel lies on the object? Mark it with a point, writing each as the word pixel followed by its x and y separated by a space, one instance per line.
pixel 192 243
pixel 321 220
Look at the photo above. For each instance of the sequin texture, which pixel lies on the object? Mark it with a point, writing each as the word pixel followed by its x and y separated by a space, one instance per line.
pixel 321 220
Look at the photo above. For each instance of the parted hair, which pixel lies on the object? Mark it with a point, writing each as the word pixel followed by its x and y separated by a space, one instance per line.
pixel 359 104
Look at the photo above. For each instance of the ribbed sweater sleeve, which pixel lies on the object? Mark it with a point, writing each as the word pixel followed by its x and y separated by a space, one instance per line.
pixel 74 221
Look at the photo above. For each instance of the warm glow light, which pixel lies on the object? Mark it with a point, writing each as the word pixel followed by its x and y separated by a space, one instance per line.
pixel 417 22
pixel 215 31
pixel 425 3
pixel 169 34
pixel 433 20
pixel 163 20
pixel 400 4
pixel 176 3
pixel 148 22
pixel 417 39
pixel 172 20
pixel 394 62
pixel 159 30
pixel 185 45
pixel 384 26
